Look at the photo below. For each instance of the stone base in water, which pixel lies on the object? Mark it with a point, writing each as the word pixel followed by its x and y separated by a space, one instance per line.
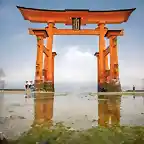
pixel 38 85
pixel 109 87
pixel 46 86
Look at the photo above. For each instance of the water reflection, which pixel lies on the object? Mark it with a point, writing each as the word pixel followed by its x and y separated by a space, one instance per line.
pixel 109 110
pixel 1 103
pixel 43 108
pixel 18 113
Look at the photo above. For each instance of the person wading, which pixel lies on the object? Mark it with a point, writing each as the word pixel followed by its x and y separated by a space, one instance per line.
pixel 26 87
pixel 31 86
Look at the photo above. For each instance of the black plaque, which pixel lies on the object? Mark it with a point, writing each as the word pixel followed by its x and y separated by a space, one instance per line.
pixel 76 23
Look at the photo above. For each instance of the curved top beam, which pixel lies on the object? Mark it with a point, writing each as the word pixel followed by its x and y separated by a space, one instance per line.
pixel 65 16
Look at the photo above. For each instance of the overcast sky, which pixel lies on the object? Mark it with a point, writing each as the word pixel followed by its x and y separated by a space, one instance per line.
pixel 75 61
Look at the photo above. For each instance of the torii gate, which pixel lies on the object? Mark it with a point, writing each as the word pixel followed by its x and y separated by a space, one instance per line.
pixel 76 18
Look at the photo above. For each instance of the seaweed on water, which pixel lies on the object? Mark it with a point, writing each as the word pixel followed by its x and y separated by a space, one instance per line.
pixel 60 134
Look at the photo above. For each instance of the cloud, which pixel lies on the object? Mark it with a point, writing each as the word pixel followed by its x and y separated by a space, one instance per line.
pixel 75 66
pixel 20 74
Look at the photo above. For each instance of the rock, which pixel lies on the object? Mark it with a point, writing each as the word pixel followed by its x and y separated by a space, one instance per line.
pixel 21 117
pixel 15 117
pixel 3 139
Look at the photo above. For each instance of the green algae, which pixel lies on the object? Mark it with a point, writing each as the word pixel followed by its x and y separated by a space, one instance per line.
pixel 59 134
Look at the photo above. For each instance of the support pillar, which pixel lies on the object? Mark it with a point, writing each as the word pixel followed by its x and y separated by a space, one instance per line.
pixel 101 51
pixel 102 63
pixel 112 36
pixel 111 58
pixel 39 61
pixel 116 67
pixel 45 68
pixel 114 74
pixel 53 56
pixel 106 67
pixel 106 63
pixel 40 34
pixel 49 62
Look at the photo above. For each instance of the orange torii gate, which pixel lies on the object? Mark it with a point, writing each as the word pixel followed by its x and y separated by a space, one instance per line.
pixel 76 18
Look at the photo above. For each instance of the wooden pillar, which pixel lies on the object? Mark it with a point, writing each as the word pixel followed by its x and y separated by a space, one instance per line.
pixel 101 51
pixel 106 67
pixel 41 34
pixel 49 30
pixel 106 63
pixel 112 36
pixel 46 68
pixel 116 67
pixel 39 59
pixel 112 56
pixel 53 56
pixel 114 73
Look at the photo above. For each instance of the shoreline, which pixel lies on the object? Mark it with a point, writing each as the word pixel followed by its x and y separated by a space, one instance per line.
pixel 90 93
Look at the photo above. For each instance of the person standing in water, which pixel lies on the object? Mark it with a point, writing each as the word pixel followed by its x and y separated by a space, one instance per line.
pixel 31 86
pixel 26 87
pixel 133 88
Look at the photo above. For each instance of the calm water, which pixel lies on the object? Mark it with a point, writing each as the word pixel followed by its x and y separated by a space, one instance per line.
pixel 79 111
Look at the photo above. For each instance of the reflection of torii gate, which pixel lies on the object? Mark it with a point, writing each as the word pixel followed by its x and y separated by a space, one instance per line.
pixel 43 107
pixel 76 18
pixel 109 110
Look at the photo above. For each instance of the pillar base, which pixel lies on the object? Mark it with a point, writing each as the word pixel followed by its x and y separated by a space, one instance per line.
pixel 48 86
pixel 38 84
pixel 109 87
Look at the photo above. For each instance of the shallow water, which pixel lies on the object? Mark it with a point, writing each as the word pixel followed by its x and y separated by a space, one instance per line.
pixel 78 110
